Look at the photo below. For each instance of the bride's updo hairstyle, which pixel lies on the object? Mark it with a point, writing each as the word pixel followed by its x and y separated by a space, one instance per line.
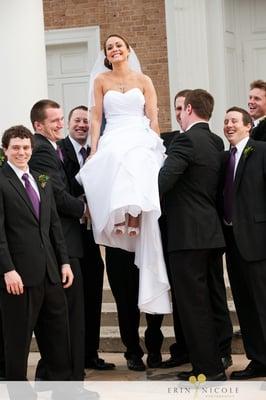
pixel 106 61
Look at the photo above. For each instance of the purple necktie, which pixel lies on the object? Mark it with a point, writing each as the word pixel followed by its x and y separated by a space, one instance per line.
pixel 229 186
pixel 32 195
pixel 59 153
pixel 83 152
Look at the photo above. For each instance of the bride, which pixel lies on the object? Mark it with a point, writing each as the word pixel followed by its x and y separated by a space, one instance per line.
pixel 120 177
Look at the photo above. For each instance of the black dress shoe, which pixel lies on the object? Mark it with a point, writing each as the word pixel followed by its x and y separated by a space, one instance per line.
pixel 154 360
pixel 185 375
pixel 253 370
pixel 135 363
pixel 99 364
pixel 2 375
pixel 227 361
pixel 175 361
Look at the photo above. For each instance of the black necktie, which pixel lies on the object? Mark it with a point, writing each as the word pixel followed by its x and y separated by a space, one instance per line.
pixel 83 153
pixel 229 186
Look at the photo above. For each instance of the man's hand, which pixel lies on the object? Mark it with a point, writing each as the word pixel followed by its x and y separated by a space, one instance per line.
pixel 67 275
pixel 86 213
pixel 13 281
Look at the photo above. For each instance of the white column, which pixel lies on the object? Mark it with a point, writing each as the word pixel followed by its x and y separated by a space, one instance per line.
pixel 23 78
pixel 196 50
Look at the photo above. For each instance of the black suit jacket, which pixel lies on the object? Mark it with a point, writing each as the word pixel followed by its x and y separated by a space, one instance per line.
pixel 189 180
pixel 167 138
pixel 249 206
pixel 25 242
pixel 45 160
pixel 71 165
pixel 259 133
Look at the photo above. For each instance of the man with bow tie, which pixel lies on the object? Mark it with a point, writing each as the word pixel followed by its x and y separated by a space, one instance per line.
pixel 244 217
pixel 75 150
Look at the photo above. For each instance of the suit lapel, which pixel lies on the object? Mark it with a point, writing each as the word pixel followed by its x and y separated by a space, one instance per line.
pixel 17 184
pixel 42 195
pixel 71 151
pixel 242 164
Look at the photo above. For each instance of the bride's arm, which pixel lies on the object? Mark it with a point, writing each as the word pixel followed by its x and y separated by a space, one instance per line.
pixel 151 109
pixel 96 115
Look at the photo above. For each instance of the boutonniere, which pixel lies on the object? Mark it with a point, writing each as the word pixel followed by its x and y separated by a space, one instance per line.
pixel 248 150
pixel 43 179
pixel 2 157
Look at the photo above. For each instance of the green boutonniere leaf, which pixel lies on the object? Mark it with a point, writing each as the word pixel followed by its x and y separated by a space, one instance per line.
pixel 43 179
pixel 248 150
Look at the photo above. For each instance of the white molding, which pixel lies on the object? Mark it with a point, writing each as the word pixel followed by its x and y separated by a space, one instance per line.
pixel 89 35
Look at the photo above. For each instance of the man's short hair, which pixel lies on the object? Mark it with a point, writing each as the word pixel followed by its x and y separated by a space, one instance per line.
pixel 181 93
pixel 18 131
pixel 38 111
pixel 84 108
pixel 258 84
pixel 245 115
pixel 201 102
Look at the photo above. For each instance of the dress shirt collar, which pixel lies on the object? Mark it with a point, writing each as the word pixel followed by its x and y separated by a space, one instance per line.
pixel 257 121
pixel 52 143
pixel 77 146
pixel 241 145
pixel 196 122
pixel 19 172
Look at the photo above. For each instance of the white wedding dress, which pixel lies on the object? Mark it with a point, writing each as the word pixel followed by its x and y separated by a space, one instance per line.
pixel 122 177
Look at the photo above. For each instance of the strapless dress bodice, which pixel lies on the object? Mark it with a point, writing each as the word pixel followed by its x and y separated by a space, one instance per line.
pixel 128 104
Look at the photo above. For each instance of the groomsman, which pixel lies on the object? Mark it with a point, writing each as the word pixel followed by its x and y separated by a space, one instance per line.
pixel 75 149
pixel 244 215
pixel 32 247
pixel 178 350
pixel 189 179
pixel 257 109
pixel 47 120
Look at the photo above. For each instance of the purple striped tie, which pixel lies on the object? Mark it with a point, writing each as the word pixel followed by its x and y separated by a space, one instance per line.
pixel 32 195
pixel 59 153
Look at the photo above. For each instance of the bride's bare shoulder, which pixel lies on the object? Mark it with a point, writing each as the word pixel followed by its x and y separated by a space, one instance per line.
pixel 102 77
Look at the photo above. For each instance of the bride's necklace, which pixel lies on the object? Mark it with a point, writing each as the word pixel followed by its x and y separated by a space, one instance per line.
pixel 121 87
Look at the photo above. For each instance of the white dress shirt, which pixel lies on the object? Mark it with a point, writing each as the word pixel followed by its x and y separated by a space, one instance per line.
pixel 20 173
pixel 239 149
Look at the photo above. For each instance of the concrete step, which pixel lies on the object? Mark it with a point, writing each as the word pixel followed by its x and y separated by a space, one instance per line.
pixel 109 315
pixel 111 342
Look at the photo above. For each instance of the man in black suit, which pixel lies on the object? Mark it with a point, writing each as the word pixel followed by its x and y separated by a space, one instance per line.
pixel 47 120
pixel 244 215
pixel 178 350
pixel 75 150
pixel 189 179
pixel 257 109
pixel 32 249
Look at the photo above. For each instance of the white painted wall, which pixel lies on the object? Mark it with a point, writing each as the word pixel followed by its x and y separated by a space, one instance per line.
pixel 195 50
pixel 23 78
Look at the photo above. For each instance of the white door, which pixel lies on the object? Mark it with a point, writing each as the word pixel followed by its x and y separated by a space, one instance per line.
pixel 245 47
pixel 253 39
pixel 68 75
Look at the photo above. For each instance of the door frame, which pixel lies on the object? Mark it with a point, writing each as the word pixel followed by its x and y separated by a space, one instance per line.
pixel 89 35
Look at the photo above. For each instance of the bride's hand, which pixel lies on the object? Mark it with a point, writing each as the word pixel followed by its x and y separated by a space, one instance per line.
pixel 92 152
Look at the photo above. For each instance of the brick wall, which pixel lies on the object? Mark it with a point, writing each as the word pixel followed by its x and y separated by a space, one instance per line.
pixel 142 22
